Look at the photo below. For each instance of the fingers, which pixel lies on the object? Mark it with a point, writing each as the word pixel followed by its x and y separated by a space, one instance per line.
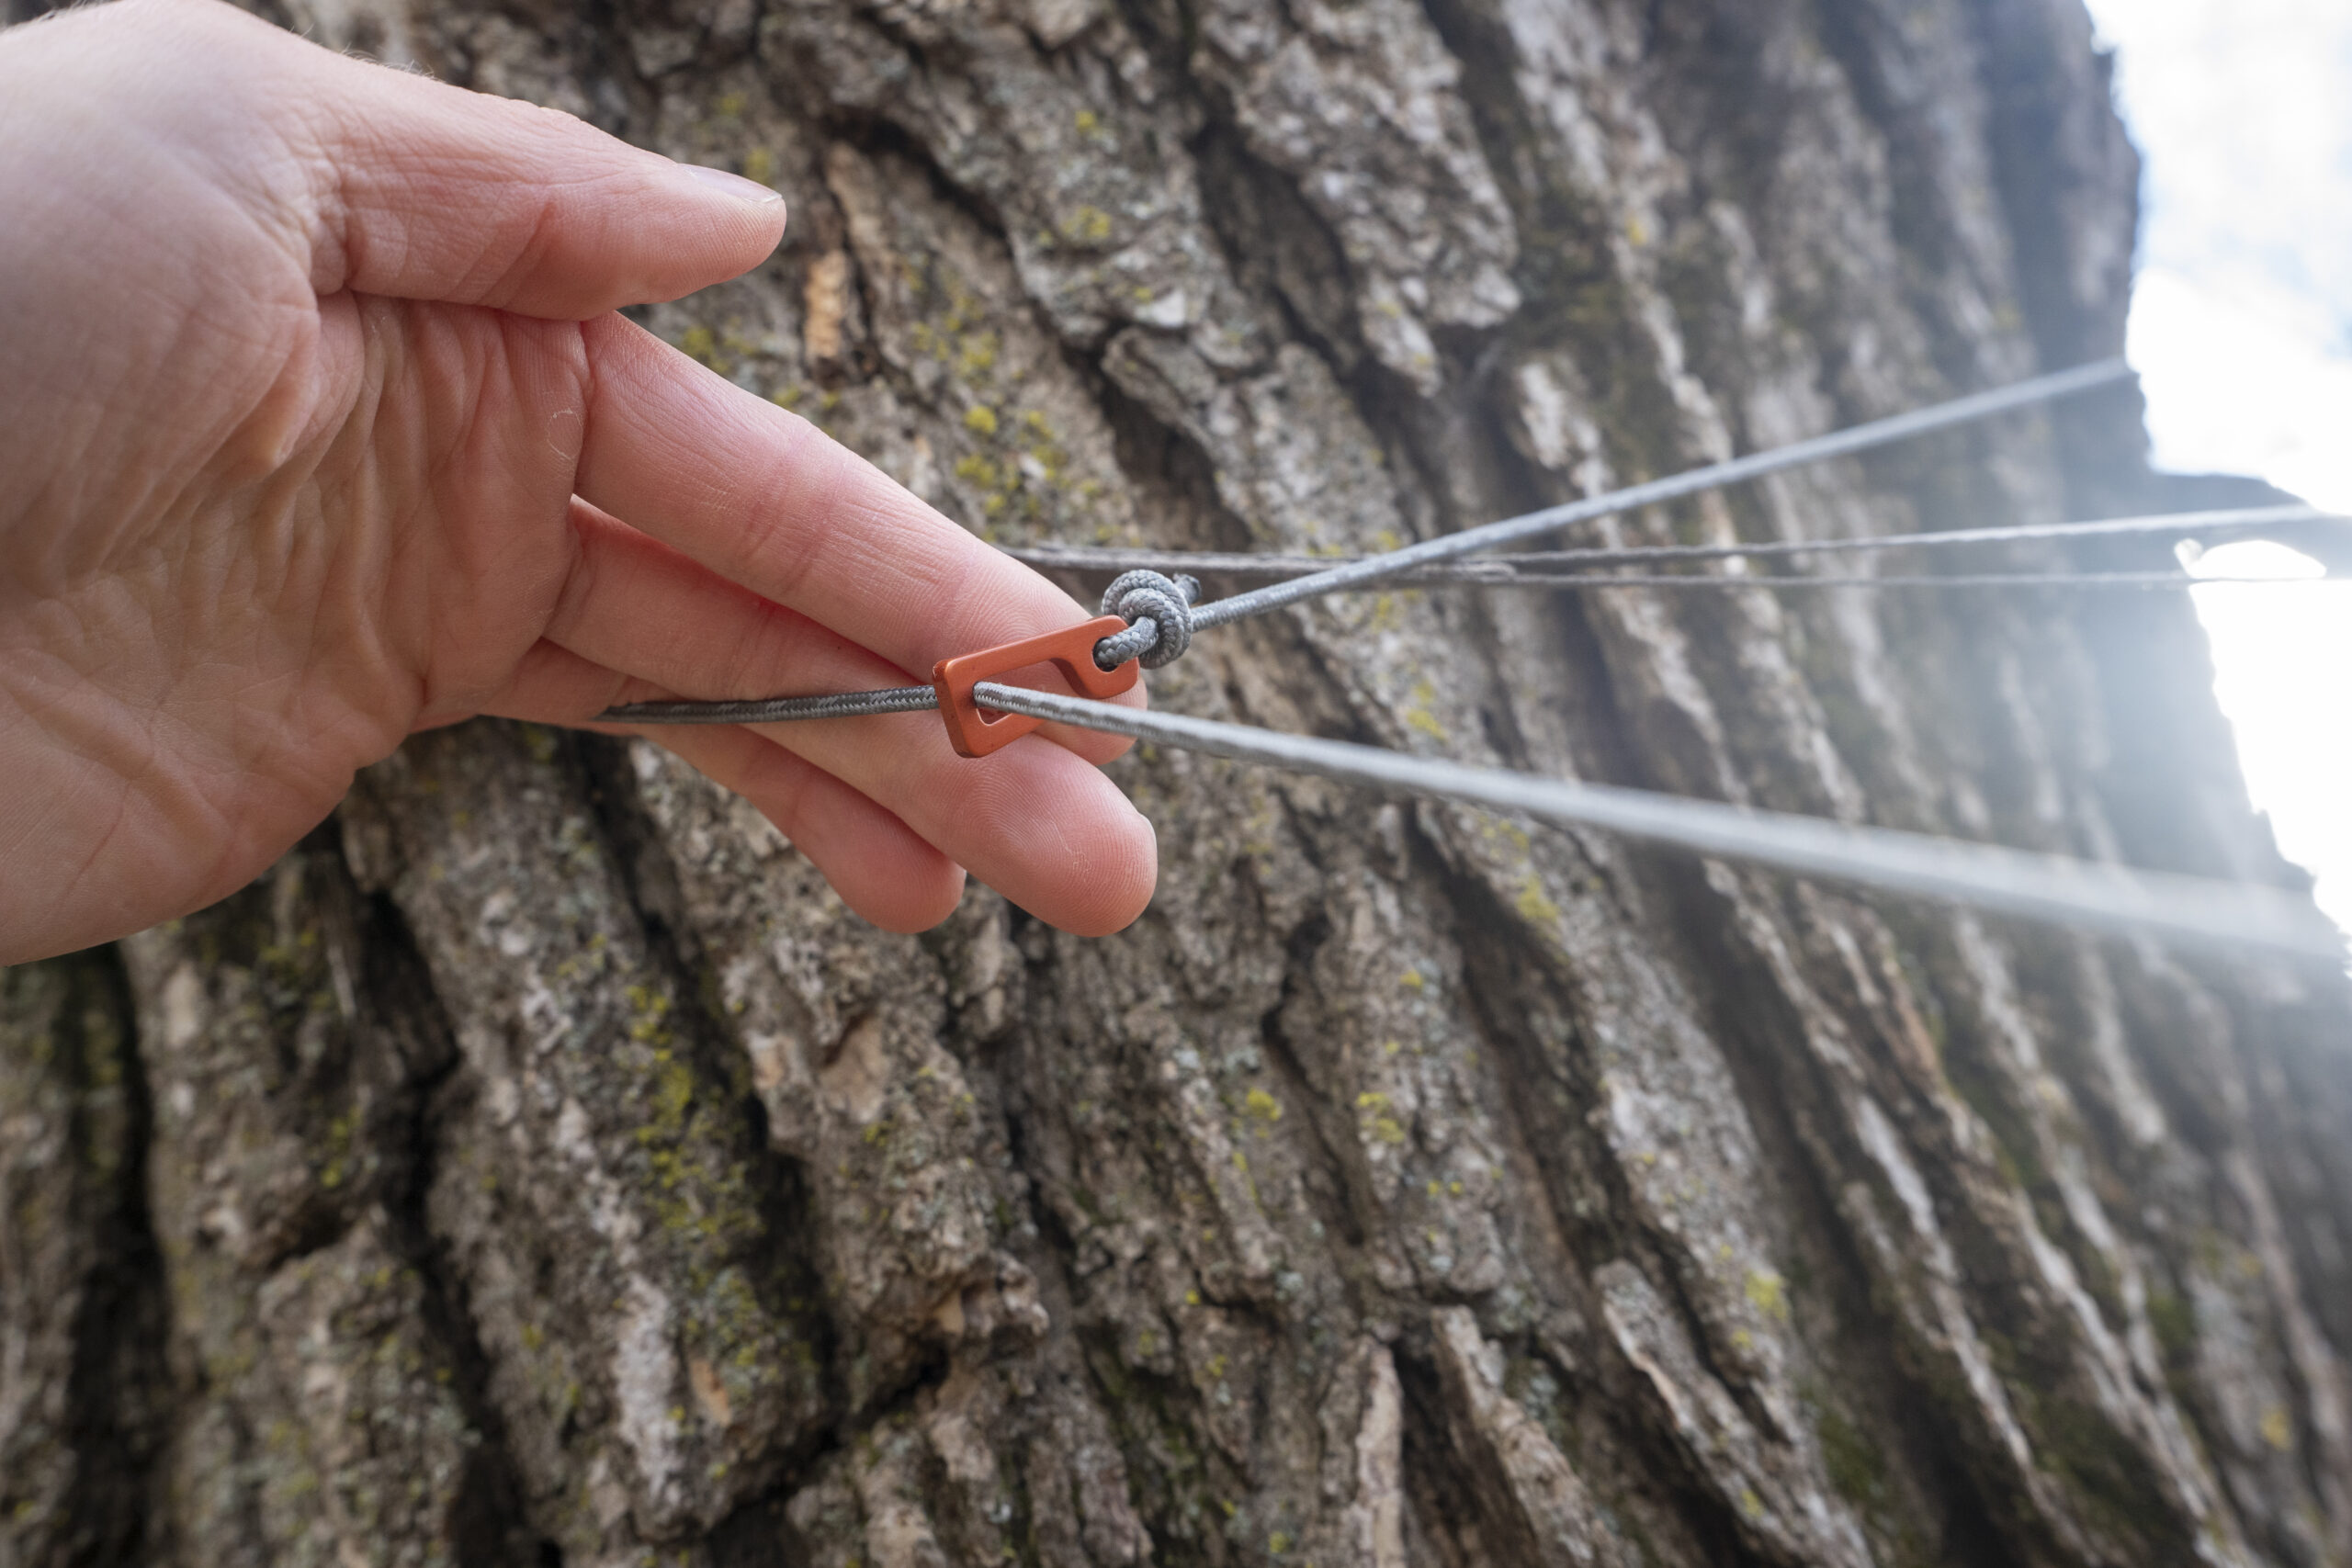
pixel 881 868
pixel 1033 821
pixel 762 498
pixel 634 604
pixel 440 194
pixel 425 191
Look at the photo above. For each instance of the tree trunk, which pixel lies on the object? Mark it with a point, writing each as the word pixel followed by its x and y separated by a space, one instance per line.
pixel 540 1165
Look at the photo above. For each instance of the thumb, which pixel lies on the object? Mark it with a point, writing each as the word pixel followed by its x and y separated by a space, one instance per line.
pixel 423 191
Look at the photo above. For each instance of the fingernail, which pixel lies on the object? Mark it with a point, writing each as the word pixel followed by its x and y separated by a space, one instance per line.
pixel 735 186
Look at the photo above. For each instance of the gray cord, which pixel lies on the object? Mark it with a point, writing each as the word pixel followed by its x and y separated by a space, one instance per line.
pixel 1837 443
pixel 2044 887
pixel 1504 570
pixel 1159 613
pixel 2013 882
pixel 1555 581
pixel 1161 617
pixel 1113 652
pixel 774 710
pixel 2143 579
pixel 1162 612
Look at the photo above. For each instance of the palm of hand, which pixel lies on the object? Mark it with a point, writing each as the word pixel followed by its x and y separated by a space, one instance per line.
pixel 297 433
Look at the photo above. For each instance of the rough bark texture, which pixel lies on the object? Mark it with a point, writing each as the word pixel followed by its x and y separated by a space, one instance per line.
pixel 541 1166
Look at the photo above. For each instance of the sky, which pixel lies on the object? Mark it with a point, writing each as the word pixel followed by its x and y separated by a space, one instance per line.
pixel 2242 332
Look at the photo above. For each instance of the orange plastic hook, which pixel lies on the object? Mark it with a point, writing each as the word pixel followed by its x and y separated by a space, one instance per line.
pixel 1071 650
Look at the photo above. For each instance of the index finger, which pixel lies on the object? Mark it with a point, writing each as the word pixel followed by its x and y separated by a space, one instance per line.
pixel 385 182
pixel 764 498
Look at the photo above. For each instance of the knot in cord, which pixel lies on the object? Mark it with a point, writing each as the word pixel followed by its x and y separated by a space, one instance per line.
pixel 1159 613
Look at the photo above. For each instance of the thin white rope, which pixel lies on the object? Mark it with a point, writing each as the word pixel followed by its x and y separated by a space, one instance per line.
pixel 2084 894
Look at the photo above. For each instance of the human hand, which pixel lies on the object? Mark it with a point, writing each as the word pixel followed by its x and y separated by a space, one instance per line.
pixel 316 428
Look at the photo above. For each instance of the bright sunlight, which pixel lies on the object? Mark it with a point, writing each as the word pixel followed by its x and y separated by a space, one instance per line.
pixel 2241 330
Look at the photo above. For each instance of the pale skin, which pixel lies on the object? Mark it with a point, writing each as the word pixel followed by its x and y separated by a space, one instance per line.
pixel 317 429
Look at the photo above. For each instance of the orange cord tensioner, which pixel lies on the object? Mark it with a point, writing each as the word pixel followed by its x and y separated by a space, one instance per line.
pixel 1071 650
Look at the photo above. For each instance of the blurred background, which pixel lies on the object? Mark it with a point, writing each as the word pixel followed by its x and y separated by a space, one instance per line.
pixel 2241 330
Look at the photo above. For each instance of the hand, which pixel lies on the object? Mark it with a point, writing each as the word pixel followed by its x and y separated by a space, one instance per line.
pixel 317 428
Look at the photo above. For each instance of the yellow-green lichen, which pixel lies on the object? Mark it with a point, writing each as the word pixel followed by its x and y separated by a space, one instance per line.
pixel 700 344
pixel 1087 225
pixel 647 1009
pixel 1533 906
pixel 336 1168
pixel 2278 1428
pixel 1767 1295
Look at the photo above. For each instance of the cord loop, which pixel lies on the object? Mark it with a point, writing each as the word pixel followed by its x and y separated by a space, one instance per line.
pixel 1159 613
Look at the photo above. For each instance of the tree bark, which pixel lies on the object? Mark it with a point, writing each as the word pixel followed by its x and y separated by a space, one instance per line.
pixel 540 1165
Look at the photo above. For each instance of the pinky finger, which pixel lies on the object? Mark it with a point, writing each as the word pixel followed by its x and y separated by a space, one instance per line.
pixel 882 869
